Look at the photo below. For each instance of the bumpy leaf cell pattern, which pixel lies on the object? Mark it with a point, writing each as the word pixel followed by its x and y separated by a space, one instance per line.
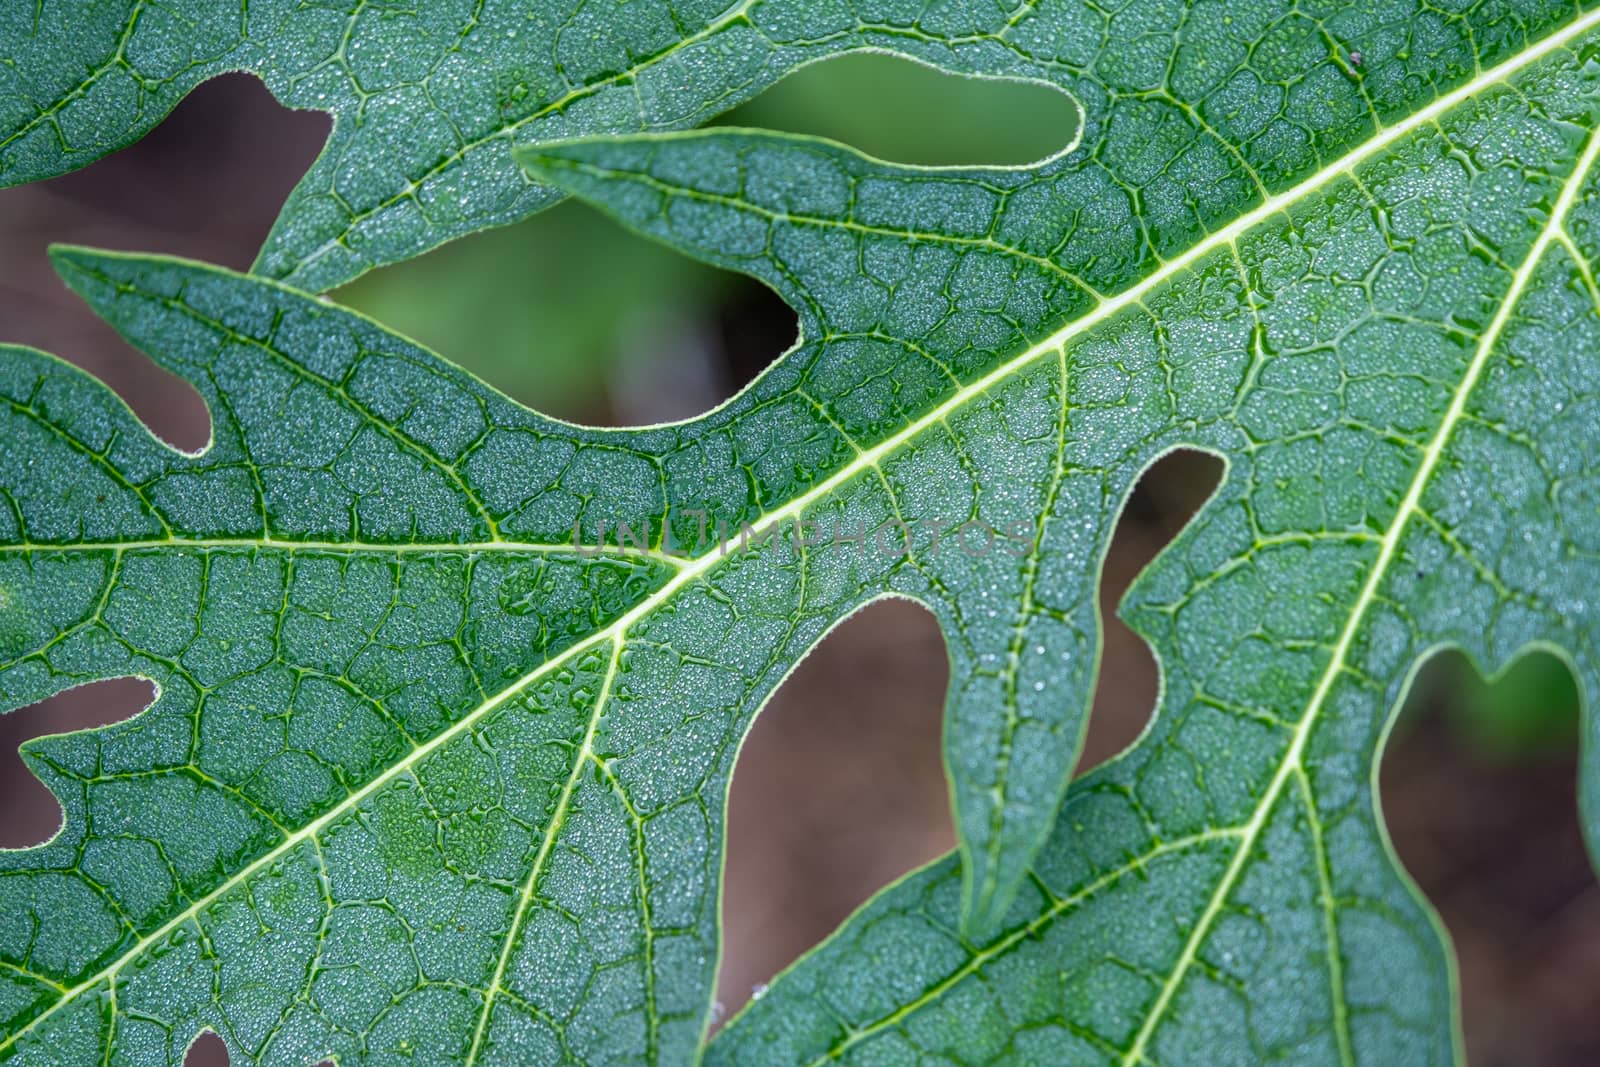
pixel 430 100
pixel 423 782
pixel 1400 370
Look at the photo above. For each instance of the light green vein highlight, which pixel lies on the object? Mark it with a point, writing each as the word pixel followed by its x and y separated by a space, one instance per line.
pixel 870 459
pixel 1337 662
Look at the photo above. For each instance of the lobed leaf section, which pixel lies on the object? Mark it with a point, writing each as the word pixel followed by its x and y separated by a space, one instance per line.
pixel 1397 358
pixel 430 100
pixel 438 766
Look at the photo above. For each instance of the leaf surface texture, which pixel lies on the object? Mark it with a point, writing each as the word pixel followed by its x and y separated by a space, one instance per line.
pixel 424 780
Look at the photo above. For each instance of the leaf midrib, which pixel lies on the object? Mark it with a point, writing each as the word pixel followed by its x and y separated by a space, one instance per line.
pixel 1338 662
pixel 377 548
pixel 866 460
pixel 530 884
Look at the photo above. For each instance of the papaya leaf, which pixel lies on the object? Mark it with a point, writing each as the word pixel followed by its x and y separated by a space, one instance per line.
pixel 429 100
pixel 440 753
pixel 1396 358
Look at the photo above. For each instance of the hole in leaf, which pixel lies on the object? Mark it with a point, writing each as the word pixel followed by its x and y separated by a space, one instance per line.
pixel 31 812
pixel 579 318
pixel 754 326
pixel 1166 496
pixel 208 1050
pixel 898 109
pixel 1479 793
pixel 839 790
pixel 206 183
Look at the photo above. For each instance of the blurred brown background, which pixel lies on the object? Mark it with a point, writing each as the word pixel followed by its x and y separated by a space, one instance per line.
pixel 839 788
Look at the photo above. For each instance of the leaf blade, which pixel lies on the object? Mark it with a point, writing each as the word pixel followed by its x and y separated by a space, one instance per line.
pixel 980 425
pixel 428 104
pixel 809 1016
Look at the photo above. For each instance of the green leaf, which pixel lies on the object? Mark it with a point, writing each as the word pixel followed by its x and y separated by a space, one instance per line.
pixel 1396 358
pixel 429 100
pixel 424 780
